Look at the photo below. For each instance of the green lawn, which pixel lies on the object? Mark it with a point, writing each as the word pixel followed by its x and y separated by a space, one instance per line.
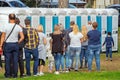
pixel 109 71
pixel 103 75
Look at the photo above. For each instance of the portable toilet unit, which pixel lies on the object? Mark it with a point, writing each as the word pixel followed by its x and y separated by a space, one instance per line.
pixel 102 25
pixel 82 18
pixel 62 17
pixel 92 15
pixel 49 21
pixel 112 26
pixel 35 16
pixel 22 14
pixel 73 16
pixel 3 19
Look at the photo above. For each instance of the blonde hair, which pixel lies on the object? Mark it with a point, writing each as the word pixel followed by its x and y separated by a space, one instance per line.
pixel 40 28
pixel 84 32
pixel 56 28
pixel 75 29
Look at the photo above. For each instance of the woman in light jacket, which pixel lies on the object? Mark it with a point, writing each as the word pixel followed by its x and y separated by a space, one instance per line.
pixel 41 50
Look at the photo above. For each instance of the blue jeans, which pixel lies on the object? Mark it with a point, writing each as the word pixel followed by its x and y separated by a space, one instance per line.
pixel 57 58
pixel 84 54
pixel 67 58
pixel 94 51
pixel 11 51
pixel 75 52
pixel 34 53
pixel 108 51
pixel 62 61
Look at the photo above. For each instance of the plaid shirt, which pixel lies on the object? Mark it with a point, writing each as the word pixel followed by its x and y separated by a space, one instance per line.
pixel 33 38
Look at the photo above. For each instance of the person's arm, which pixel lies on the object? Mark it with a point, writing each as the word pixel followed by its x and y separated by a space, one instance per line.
pixel 2 39
pixel 113 42
pixel 104 42
pixel 50 44
pixel 21 37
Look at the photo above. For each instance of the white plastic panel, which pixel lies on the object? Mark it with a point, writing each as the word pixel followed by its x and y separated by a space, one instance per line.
pixel 35 20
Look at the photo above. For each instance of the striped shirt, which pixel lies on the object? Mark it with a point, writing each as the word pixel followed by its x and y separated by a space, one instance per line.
pixel 33 38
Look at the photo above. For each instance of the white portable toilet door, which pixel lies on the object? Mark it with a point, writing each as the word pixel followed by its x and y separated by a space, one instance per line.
pixel 93 18
pixel 48 23
pixel 115 31
pixel 3 20
pixel 104 30
pixel 22 18
pixel 84 20
pixel 35 21
pixel 73 18
pixel 62 20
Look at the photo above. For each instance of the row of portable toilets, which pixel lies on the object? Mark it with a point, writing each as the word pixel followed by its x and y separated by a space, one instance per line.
pixel 107 19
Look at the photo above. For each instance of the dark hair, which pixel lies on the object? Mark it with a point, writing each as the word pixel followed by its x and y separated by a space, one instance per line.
pixel 17 20
pixel 72 23
pixel 27 21
pixel 12 16
pixel 95 25
pixel 109 33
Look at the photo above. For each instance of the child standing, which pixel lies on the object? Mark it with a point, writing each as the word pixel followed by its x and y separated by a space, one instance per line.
pixel 50 57
pixel 109 44
pixel 50 62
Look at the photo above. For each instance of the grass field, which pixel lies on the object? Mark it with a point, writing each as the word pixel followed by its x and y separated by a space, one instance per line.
pixel 110 70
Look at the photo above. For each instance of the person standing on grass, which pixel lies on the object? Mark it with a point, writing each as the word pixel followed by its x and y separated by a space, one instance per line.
pixel 75 46
pixel 94 46
pixel 50 58
pixel 67 46
pixel 62 62
pixel 41 50
pixel 109 44
pixel 11 46
pixel 31 47
pixel 21 46
pixel 84 48
pixel 57 47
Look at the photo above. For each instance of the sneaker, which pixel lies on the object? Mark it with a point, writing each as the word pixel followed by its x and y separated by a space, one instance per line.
pixel 35 75
pixel 23 75
pixel 41 73
pixel 38 74
pixel 56 72
pixel 67 71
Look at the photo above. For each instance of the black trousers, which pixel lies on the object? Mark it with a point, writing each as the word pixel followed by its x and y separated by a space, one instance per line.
pixel 21 61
